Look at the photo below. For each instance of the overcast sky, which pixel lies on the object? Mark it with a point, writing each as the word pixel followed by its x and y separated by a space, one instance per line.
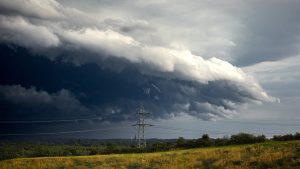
pixel 216 67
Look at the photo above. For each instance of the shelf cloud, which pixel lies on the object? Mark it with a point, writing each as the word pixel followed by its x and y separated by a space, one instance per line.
pixel 169 79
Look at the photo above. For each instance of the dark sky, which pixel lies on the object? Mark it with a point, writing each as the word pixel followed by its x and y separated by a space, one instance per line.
pixel 211 67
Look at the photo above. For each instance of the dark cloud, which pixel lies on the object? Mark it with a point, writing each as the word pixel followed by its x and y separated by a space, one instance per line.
pixel 59 89
pixel 21 103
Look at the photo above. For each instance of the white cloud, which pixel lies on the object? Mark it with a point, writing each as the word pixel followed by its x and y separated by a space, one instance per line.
pixel 213 111
pixel 20 31
pixel 33 8
pixel 166 62
pixel 285 70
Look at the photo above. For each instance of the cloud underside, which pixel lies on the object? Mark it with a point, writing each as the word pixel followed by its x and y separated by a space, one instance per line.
pixel 163 98
pixel 168 79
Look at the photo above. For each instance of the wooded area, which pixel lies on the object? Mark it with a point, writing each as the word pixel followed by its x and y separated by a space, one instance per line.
pixel 82 147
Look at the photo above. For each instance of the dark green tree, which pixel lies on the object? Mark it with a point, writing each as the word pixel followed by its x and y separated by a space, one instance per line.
pixel 204 141
pixel 181 142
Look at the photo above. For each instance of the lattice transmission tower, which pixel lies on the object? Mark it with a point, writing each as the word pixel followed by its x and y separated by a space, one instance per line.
pixel 141 141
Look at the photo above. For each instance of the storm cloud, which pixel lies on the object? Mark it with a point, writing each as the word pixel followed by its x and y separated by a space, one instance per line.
pixel 33 103
pixel 104 68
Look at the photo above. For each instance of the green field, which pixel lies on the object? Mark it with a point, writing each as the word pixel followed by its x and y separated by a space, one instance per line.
pixel 285 155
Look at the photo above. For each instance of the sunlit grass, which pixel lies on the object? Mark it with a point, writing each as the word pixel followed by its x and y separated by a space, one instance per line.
pixel 284 155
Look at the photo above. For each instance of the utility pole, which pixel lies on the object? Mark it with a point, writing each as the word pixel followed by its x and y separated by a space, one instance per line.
pixel 141 141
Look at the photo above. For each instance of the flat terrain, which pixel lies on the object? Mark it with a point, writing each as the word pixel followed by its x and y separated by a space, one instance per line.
pixel 285 155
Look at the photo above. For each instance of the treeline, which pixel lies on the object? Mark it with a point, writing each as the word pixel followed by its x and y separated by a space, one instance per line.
pixel 17 150
pixel 205 141
pixel 287 137
pixel 9 150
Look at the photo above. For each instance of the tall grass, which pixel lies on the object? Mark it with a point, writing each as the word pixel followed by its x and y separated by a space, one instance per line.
pixel 285 155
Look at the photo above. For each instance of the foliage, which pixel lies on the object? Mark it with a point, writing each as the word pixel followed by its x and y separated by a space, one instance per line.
pixel 271 155
pixel 244 138
pixel 9 150
pixel 287 137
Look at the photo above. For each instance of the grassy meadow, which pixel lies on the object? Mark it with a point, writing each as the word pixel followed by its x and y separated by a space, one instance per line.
pixel 285 155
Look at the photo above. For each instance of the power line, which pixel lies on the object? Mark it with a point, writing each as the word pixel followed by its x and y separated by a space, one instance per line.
pixel 101 118
pixel 141 127
pixel 260 123
pixel 62 132
pixel 49 121
pixel 176 129
pixel 209 131
pixel 190 130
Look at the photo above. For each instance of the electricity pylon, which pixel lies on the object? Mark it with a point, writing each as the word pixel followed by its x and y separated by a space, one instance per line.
pixel 141 141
